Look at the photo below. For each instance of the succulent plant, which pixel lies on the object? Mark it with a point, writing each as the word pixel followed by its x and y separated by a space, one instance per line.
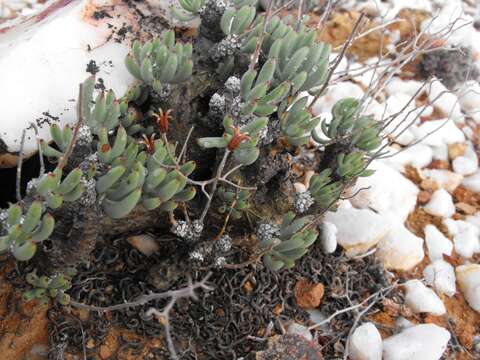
pixel 291 243
pixel 241 141
pixel 160 62
pixel 234 201
pixel 45 287
pixel 24 230
pixel 253 82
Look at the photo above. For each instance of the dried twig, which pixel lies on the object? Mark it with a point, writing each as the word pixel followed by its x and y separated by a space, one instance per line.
pixel 162 316
pixel 64 159
pixel 375 297
pixel 19 167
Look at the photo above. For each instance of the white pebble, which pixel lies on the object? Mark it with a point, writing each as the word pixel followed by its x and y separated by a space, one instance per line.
pixel 441 204
pixel 464 166
pixel 298 329
pixel 421 299
pixel 441 276
pixel 445 101
pixel 358 229
pixel 472 182
pixel 437 243
pixel 466 239
pixel 400 249
pixel 419 342
pixel 387 191
pixel 445 179
pixel 365 343
pixel 468 277
pixel 439 132
pixel 329 237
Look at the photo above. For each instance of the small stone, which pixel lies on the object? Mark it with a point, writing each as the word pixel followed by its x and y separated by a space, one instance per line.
pixel 421 299
pixel 290 346
pixel 146 244
pixel 400 249
pixel 464 166
pixel 365 343
pixel 441 276
pixel 358 229
pixel 419 342
pixel 308 295
pixel 297 329
pixel 465 208
pixel 423 197
pixel 328 237
pixel 468 277
pixel 106 352
pixel 437 243
pixel 472 182
pixel 429 184
pixel 445 179
pixel 387 192
pixel 441 204
pixel 90 344
pixel 466 239
pixel 456 149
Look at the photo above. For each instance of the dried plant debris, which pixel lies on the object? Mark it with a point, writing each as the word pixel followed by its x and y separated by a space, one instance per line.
pixel 452 66
pixel 223 324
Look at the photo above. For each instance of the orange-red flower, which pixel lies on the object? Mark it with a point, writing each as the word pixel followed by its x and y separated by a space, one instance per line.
pixel 163 119
pixel 149 143
pixel 237 138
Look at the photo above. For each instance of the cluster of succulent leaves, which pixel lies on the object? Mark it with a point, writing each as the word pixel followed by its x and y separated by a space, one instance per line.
pixel 246 152
pixel 160 62
pixel 45 288
pixel 26 225
pixel 129 167
pixel 361 134
pixel 291 244
pixel 234 201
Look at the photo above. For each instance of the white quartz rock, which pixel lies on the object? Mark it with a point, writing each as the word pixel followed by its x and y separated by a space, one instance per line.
pixel 421 299
pixel 474 219
pixel 437 243
pixel 43 60
pixel 440 152
pixel 408 87
pixel 418 156
pixel 419 342
pixel 441 204
pixel 358 229
pixel 445 100
pixel 329 237
pixel 387 192
pixel 400 249
pixel 472 182
pixel 438 132
pixel 469 98
pixel 468 277
pixel 465 236
pixel 441 276
pixel 365 343
pixel 298 329
pixel 464 166
pixel 445 179
pixel 51 49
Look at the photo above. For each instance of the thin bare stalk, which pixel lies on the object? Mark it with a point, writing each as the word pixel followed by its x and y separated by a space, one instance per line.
pixel 19 167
